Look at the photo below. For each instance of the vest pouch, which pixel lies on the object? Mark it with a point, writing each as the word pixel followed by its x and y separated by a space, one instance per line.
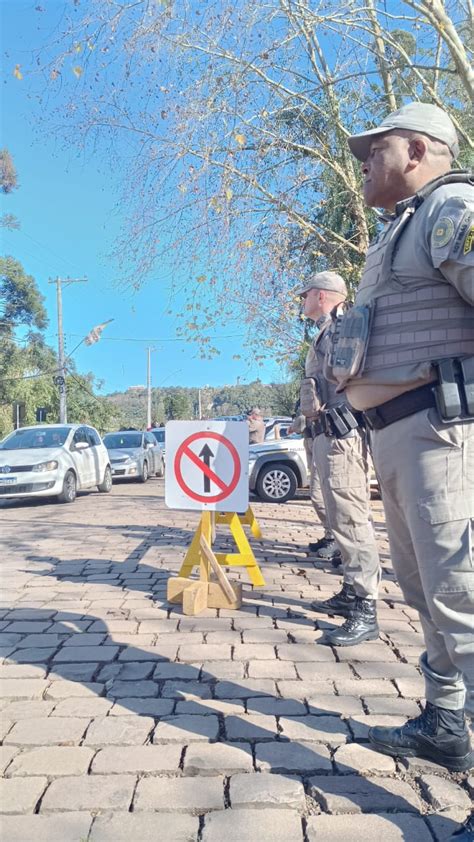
pixel 310 403
pixel 349 340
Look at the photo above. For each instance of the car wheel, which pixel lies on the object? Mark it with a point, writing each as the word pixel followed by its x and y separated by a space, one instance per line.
pixel 69 492
pixel 276 483
pixel 161 471
pixel 144 474
pixel 106 485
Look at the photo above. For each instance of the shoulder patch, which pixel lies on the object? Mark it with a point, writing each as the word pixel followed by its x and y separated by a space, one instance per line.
pixel 469 241
pixel 442 232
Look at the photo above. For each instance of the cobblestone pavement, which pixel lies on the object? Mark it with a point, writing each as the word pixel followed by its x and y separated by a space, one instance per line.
pixel 121 718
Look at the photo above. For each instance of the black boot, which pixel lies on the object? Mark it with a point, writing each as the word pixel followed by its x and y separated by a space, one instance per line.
pixel 360 625
pixel 325 549
pixel 465 833
pixel 437 734
pixel 341 603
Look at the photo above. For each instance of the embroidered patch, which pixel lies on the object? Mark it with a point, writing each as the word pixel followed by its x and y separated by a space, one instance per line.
pixel 443 232
pixel 469 241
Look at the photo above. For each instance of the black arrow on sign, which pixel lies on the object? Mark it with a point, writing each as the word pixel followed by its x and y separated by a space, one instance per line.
pixel 206 454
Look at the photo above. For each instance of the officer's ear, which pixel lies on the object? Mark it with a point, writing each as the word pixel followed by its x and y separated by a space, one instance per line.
pixel 417 149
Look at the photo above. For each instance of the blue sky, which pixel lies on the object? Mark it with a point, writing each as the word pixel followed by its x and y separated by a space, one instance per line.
pixel 67 206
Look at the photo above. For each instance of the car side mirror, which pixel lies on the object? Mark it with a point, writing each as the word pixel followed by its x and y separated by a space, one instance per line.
pixel 81 445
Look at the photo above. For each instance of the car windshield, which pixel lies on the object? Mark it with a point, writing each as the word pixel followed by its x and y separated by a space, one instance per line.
pixel 159 435
pixel 122 440
pixel 38 437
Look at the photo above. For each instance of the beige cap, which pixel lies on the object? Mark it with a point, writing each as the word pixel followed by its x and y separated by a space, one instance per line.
pixel 417 117
pixel 325 280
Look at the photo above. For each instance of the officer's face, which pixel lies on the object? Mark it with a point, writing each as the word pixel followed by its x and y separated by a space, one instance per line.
pixel 312 304
pixel 385 171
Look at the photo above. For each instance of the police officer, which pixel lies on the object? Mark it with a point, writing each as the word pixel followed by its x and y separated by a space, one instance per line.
pixel 256 426
pixel 405 353
pixel 340 458
pixel 325 548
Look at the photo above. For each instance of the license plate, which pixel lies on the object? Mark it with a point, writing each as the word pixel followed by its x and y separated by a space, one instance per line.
pixel 7 480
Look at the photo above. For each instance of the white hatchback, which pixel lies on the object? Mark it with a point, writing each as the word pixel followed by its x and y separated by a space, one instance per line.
pixel 53 460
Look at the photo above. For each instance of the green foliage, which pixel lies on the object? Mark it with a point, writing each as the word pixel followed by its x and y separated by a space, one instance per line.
pixel 20 296
pixel 8 174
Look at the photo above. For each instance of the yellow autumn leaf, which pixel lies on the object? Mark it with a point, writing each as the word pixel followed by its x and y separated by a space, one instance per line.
pixel 200 279
pixel 192 326
pixel 228 194
pixel 78 48
pixel 240 138
pixel 17 72
pixel 247 244
pixel 77 71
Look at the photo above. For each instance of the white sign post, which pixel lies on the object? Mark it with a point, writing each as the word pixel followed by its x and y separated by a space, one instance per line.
pixel 207 465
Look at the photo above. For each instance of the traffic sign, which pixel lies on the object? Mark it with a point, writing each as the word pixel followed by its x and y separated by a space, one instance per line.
pixel 207 465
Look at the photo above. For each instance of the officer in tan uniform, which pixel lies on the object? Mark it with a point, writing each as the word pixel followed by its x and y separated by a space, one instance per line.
pixel 405 354
pixel 340 458
pixel 256 426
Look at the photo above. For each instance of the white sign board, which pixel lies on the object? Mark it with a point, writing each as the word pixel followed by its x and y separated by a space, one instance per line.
pixel 207 465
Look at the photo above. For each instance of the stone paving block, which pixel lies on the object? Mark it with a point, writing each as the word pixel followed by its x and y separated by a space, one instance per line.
pixel 143 707
pixel 356 794
pixel 77 654
pixel 23 688
pixel 28 626
pixel 148 759
pixel 83 793
pixel 144 827
pixel 47 731
pixel 20 795
pixel 272 669
pixel 362 688
pixel 250 825
pixel 321 729
pixel 186 690
pixel 311 671
pixel 299 758
pixel 207 707
pixel 264 791
pixel 334 705
pixel 7 753
pixel 443 793
pixel 305 689
pixel 204 652
pixel 446 822
pixel 83 706
pixel 53 761
pixel 168 671
pixel 223 670
pixel 69 826
pixel 251 727
pixel 67 689
pixel 32 656
pixel 265 635
pixel 253 652
pixel 74 672
pixel 140 689
pixel 245 689
pixel 217 759
pixel 186 729
pixel 22 671
pixel 376 669
pixel 119 730
pixel 391 827
pixel 303 652
pixel 411 688
pixel 160 652
pixel 179 795
pixel 359 758
pixel 276 707
pixel 360 724
pixel 367 651
pixel 39 641
pixel 392 706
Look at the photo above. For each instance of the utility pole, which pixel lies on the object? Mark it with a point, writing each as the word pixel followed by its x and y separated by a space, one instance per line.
pixel 199 405
pixel 148 386
pixel 60 380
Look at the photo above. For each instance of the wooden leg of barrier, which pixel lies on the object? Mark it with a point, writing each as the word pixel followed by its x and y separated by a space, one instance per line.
pixel 250 519
pixel 245 550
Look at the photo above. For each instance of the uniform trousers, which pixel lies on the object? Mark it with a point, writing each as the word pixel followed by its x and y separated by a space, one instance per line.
pixel 343 467
pixel 315 491
pixel 426 472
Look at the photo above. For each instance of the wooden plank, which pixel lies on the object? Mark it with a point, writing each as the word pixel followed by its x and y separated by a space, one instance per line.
pixel 176 586
pixel 217 570
pixel 217 598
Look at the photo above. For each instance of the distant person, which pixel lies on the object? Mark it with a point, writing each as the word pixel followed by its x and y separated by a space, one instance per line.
pixel 256 426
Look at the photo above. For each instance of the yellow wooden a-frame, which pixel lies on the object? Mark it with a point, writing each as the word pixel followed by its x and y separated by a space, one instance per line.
pixel 243 558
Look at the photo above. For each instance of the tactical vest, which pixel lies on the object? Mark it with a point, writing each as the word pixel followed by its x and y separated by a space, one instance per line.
pixel 397 330
pixel 316 392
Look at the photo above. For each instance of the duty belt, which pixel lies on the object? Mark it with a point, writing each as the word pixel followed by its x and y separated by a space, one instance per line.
pixel 339 422
pixel 401 407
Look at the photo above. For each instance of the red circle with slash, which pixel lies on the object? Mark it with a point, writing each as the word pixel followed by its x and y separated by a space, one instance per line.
pixel 226 488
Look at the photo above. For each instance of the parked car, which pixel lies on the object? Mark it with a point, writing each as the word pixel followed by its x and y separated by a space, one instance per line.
pixel 277 428
pixel 53 460
pixel 278 468
pixel 159 434
pixel 134 455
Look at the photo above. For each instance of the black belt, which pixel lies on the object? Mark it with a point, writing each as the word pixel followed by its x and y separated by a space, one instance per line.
pixel 401 407
pixel 317 428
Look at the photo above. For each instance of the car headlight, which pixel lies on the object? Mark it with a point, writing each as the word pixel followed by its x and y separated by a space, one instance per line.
pixel 46 466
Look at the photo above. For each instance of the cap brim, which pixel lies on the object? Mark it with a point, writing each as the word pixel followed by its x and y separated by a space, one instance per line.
pixel 359 144
pixel 301 290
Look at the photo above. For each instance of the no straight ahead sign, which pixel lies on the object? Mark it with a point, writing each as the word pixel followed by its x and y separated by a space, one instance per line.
pixel 207 465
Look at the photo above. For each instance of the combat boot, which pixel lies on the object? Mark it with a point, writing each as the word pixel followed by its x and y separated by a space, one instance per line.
pixel 326 549
pixel 465 833
pixel 341 603
pixel 360 625
pixel 437 734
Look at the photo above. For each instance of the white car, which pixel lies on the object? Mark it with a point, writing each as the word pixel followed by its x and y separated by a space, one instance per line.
pixel 53 460
pixel 278 468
